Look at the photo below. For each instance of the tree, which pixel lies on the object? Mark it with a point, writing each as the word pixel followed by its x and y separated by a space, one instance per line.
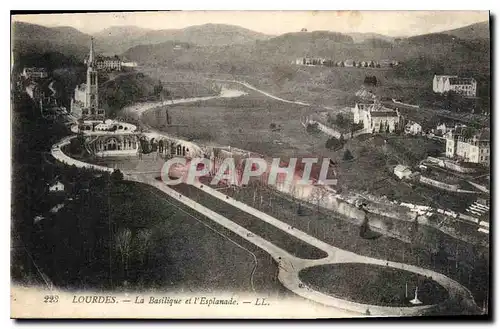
pixel 158 88
pixel 333 143
pixel 340 119
pixel 143 243
pixel 300 211
pixel 272 126
pixel 317 195
pixel 116 175
pixel 123 241
pixel 312 128
pixel 347 155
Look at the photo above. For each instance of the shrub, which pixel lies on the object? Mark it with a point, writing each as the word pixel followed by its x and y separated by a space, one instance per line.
pixel 117 175
pixel 347 155
pixel 312 128
pixel 334 144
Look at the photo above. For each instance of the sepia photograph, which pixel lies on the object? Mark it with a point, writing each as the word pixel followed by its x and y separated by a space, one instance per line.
pixel 250 164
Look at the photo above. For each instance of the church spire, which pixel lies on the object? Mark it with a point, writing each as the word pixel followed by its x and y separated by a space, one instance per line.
pixel 91 52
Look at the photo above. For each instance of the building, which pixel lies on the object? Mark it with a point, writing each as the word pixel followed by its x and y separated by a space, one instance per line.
pixel 56 187
pixel 402 171
pixel 470 147
pixel 349 63
pixel 443 129
pixel 85 102
pixel 34 73
pixel 106 63
pixel 129 64
pixel 463 86
pixel 413 128
pixel 310 61
pixel 376 118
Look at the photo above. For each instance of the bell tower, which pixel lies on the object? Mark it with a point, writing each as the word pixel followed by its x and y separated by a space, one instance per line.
pixel 92 111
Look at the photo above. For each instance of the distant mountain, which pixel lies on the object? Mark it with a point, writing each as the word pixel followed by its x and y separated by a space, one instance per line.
pixel 124 32
pixel 431 38
pixel 29 38
pixel 377 43
pixel 362 37
pixel 118 39
pixel 214 35
pixel 471 32
pixel 292 45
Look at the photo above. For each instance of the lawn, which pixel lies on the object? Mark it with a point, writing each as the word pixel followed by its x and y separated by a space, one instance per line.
pixel 429 248
pixel 243 122
pixel 373 284
pixel 130 236
pixel 274 235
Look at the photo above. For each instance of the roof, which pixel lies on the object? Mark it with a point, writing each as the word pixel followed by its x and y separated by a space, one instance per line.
pixel 445 76
pixel 384 114
pixel 401 168
pixel 461 81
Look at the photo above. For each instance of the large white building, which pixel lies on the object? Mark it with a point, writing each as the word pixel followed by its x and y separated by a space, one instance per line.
pixel 34 73
pixel 469 147
pixel 106 63
pixel 376 118
pixel 463 86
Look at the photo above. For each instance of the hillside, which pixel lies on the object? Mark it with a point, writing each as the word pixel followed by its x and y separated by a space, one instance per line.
pixel 118 39
pixel 29 38
pixel 361 37
pixel 471 32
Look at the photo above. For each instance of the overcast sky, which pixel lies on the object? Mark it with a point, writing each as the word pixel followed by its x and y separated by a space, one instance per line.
pixel 402 23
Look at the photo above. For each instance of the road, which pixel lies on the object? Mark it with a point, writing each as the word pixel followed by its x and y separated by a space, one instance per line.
pixel 289 265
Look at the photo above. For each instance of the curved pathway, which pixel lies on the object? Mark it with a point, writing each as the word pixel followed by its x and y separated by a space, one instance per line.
pixel 289 265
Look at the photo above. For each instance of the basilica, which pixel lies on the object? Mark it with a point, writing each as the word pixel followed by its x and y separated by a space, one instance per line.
pixel 101 136
pixel 85 103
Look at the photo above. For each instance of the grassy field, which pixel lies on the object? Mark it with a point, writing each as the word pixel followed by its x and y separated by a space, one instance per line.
pixel 429 248
pixel 281 239
pixel 243 122
pixel 239 123
pixel 372 284
pixel 170 247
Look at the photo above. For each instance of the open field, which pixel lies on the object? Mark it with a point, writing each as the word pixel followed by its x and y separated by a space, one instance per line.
pixel 274 235
pixel 429 248
pixel 243 122
pixel 171 249
pixel 372 284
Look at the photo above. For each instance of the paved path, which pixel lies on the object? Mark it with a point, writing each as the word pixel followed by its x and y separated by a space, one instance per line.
pixel 138 109
pixel 289 265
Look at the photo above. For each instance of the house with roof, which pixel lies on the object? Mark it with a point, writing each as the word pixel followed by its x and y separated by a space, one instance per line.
pixel 460 85
pixel 56 187
pixel 468 145
pixel 413 128
pixel 376 118
pixel 35 73
pixel 402 171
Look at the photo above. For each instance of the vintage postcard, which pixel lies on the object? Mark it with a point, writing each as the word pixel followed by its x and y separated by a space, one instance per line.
pixel 204 164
